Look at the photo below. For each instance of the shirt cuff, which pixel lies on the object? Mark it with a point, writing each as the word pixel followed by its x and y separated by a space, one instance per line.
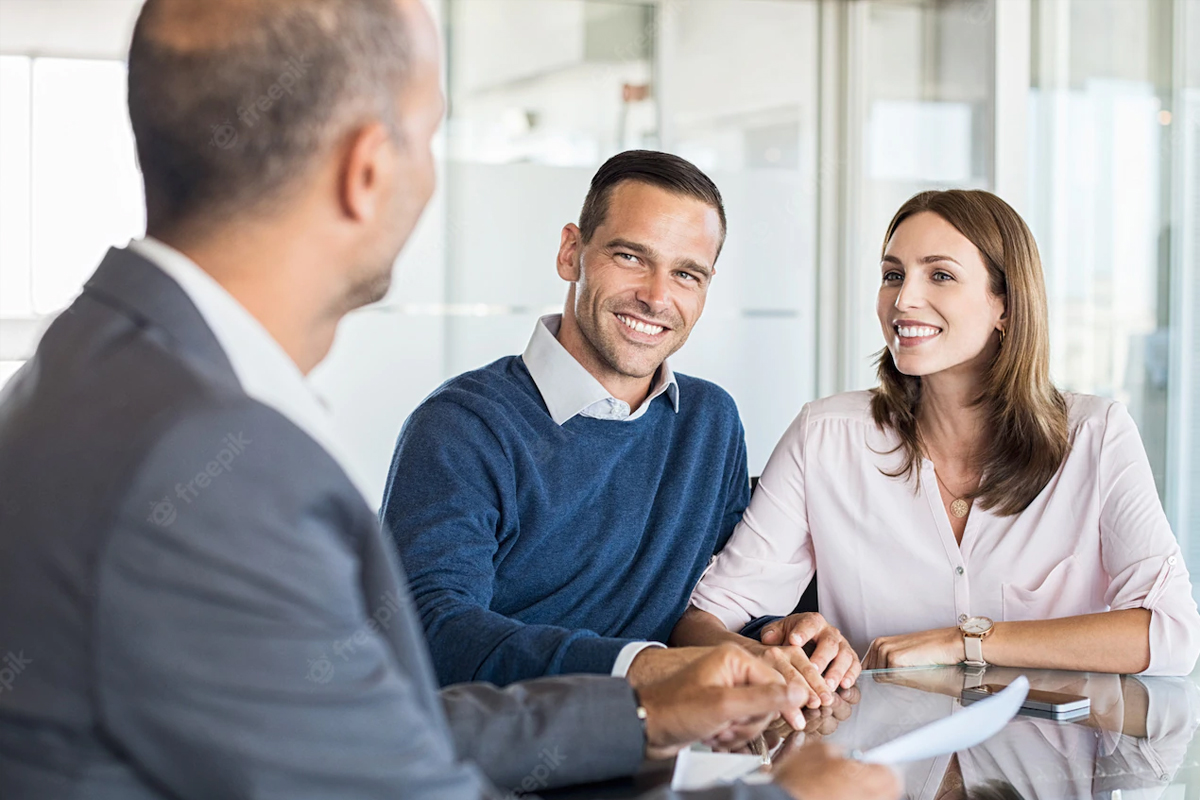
pixel 628 654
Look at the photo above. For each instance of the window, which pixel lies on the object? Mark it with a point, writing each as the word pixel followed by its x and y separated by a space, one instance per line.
pixel 71 187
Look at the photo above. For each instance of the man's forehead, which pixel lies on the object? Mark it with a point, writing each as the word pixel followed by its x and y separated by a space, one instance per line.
pixel 664 218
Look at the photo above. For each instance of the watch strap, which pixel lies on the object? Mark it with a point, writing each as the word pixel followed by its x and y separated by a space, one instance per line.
pixel 973 646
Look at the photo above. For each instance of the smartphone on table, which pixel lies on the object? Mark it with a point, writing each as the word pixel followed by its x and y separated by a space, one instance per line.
pixel 1038 703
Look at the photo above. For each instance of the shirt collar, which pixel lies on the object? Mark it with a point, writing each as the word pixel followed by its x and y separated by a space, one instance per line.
pixel 566 386
pixel 264 370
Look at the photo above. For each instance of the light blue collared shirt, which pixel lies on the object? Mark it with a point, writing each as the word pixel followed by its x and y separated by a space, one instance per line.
pixel 568 389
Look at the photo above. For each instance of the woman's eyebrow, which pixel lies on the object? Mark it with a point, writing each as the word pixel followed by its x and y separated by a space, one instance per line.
pixel 935 258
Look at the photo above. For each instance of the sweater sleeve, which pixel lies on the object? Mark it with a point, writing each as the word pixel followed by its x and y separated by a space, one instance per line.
pixel 1140 554
pixel 449 500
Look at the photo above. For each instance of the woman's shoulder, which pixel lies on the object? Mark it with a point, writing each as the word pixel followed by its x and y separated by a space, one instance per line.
pixel 849 406
pixel 848 413
pixel 1089 410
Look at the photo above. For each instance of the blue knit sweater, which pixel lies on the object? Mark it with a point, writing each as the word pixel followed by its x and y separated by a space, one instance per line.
pixel 533 549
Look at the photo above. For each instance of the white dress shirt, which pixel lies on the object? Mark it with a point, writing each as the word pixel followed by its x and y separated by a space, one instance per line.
pixel 264 370
pixel 568 389
pixel 1094 539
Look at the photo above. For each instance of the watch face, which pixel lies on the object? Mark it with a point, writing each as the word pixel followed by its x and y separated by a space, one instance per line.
pixel 976 625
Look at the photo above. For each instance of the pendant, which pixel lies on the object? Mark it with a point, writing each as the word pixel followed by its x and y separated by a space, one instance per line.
pixel 959 508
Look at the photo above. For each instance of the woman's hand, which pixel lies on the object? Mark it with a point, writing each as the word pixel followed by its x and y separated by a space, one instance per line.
pixel 831 655
pixel 938 646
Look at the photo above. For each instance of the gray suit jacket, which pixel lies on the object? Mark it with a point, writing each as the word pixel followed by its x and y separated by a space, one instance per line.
pixel 196 603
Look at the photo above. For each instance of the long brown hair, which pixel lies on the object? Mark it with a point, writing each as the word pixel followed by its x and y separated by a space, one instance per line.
pixel 1028 438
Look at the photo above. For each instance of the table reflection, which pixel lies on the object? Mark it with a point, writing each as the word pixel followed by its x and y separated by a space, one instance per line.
pixel 1137 742
pixel 1132 745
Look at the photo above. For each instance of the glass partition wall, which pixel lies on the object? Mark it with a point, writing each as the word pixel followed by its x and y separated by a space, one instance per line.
pixel 1100 177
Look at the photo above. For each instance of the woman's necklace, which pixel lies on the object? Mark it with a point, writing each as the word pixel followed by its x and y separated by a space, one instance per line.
pixel 959 507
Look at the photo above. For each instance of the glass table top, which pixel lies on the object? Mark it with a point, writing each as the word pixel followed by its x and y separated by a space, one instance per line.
pixel 1136 743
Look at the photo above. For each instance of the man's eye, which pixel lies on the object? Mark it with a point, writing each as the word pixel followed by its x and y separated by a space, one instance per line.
pixel 628 257
pixel 686 276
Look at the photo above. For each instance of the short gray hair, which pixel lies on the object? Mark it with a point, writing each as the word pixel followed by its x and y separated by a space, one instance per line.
pixel 230 102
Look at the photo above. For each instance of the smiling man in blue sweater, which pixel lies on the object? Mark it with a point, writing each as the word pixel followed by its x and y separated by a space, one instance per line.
pixel 554 510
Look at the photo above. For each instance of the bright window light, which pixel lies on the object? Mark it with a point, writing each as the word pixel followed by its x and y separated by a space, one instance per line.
pixel 15 297
pixel 87 195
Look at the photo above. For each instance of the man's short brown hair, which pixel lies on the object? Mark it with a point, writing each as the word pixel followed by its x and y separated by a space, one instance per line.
pixel 666 171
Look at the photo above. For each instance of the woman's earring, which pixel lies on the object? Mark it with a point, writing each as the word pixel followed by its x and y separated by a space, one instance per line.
pixel 1001 337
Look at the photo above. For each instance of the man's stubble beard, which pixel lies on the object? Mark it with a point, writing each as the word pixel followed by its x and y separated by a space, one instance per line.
pixel 607 346
pixel 371 287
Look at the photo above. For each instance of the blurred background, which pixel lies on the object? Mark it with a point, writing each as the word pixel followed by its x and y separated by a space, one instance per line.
pixel 816 118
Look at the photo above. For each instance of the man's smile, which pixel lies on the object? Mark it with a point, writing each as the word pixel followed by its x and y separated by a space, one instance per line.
pixel 650 331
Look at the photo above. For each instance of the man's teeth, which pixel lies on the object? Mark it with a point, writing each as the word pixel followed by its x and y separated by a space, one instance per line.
pixel 917 332
pixel 640 327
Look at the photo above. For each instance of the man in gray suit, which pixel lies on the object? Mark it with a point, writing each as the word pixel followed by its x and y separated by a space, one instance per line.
pixel 197 600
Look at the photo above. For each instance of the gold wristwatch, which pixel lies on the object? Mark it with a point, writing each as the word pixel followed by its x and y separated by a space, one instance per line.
pixel 974 630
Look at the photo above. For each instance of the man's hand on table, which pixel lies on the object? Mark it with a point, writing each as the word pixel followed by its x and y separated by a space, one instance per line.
pixel 724 696
pixel 658 663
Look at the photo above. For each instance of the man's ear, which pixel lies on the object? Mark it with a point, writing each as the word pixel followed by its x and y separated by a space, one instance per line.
pixel 365 174
pixel 570 246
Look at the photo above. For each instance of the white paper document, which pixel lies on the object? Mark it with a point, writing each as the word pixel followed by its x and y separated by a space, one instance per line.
pixel 972 725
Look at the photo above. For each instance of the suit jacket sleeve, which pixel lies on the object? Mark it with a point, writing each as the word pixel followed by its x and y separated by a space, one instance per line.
pixel 235 657
pixel 574 729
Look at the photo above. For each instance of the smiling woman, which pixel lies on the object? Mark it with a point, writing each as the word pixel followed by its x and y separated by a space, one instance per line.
pixel 1021 526
pixel 994 289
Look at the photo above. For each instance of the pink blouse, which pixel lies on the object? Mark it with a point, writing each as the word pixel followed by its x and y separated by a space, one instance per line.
pixel 1095 539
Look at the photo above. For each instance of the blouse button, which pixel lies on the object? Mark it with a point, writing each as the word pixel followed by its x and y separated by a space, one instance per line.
pixel 962 618
pixel 959 570
pixel 1171 560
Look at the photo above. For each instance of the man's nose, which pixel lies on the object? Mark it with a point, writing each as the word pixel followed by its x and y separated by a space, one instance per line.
pixel 655 290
